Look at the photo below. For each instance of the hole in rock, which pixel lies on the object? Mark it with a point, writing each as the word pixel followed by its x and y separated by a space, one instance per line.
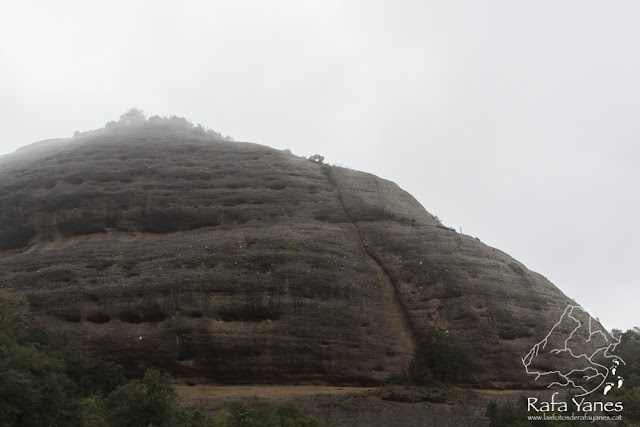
pixel 153 315
pixel 130 317
pixel 277 186
pixel 227 318
pixel 75 318
pixel 98 318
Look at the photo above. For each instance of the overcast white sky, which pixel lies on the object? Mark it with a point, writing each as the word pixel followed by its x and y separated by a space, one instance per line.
pixel 515 120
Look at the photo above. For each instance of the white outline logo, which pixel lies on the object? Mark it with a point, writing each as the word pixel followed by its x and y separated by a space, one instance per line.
pixel 594 369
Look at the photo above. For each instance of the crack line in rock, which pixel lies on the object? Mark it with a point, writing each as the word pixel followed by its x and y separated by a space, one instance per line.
pixel 377 265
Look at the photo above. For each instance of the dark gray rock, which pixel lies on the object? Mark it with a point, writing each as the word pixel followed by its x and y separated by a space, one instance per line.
pixel 234 262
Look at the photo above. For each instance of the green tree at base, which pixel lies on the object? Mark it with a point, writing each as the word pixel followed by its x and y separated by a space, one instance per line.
pixel 44 382
pixel 435 358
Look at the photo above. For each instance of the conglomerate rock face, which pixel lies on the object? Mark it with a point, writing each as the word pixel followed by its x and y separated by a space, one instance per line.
pixel 234 262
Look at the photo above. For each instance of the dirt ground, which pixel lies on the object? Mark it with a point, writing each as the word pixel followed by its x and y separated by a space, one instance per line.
pixel 359 406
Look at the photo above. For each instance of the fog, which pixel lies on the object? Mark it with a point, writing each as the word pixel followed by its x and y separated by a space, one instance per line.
pixel 514 122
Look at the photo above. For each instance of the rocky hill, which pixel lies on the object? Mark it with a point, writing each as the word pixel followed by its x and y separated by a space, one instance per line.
pixel 159 246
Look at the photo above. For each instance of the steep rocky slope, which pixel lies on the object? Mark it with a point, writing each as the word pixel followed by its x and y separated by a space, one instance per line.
pixel 234 262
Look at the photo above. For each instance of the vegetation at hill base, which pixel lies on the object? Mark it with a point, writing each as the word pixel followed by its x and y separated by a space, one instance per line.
pixel 515 414
pixel 436 359
pixel 44 382
pixel 629 393
pixel 256 412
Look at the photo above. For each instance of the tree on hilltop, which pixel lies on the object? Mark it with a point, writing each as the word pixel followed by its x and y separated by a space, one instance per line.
pixel 133 115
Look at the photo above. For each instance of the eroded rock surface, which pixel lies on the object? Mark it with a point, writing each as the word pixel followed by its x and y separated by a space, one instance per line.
pixel 234 262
